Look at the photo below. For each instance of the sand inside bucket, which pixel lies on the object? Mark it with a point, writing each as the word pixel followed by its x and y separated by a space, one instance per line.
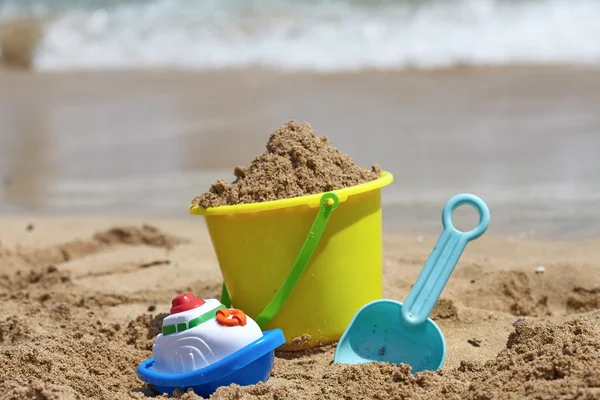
pixel 296 163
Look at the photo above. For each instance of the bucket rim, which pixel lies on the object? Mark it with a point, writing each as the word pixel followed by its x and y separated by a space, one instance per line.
pixel 311 200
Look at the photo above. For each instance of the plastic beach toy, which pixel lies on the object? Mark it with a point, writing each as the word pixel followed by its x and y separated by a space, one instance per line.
pixel 205 345
pixel 298 265
pixel 389 331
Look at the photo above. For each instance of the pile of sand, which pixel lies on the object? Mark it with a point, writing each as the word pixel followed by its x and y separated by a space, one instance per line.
pixel 297 162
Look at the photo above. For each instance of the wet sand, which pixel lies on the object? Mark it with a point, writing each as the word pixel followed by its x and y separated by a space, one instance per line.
pixel 524 139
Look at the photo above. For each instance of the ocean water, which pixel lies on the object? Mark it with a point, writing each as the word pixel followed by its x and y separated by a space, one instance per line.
pixel 524 139
pixel 320 36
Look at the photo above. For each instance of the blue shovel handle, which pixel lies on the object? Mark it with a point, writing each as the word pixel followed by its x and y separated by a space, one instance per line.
pixel 441 262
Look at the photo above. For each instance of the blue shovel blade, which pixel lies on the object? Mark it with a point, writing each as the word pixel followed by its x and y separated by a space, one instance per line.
pixel 378 333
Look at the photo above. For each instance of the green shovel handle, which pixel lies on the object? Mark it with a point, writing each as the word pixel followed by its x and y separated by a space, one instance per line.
pixel 328 203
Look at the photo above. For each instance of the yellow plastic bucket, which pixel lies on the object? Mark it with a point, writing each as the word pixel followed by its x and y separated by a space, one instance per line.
pixel 256 245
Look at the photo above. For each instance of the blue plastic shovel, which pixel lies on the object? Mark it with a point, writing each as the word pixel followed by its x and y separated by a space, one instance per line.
pixel 389 331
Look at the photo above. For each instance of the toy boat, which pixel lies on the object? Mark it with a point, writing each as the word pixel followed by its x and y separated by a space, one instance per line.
pixel 205 345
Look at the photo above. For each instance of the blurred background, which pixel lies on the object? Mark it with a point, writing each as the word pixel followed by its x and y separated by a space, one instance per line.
pixel 137 106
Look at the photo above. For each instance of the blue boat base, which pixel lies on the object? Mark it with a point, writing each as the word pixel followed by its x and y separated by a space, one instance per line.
pixel 247 366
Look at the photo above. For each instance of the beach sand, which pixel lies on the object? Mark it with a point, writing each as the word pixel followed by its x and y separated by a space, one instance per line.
pixel 523 139
pixel 88 158
pixel 82 298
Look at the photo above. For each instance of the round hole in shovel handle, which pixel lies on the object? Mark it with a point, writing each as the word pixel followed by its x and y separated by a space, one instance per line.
pixel 477 204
